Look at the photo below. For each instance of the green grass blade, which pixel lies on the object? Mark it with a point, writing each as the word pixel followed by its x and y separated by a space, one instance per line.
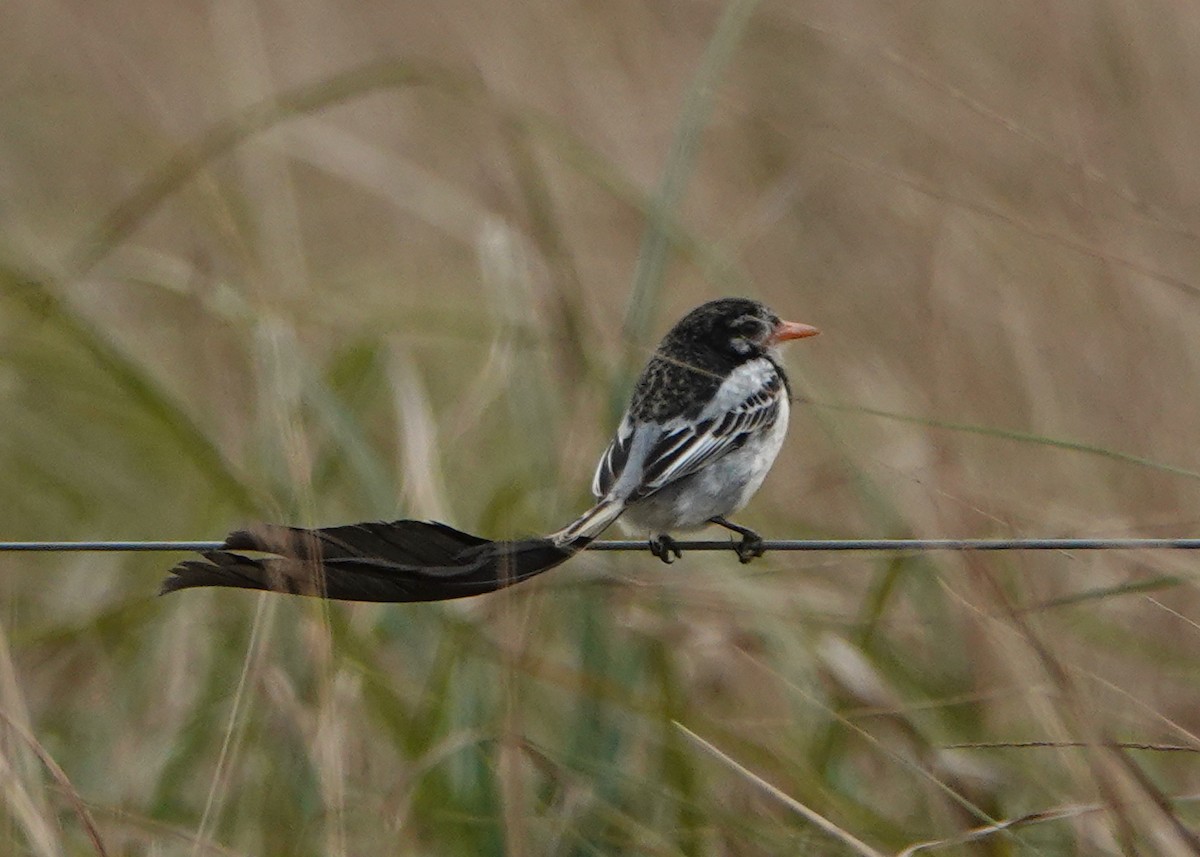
pixel 697 106
pixel 1015 435
pixel 40 300
pixel 120 223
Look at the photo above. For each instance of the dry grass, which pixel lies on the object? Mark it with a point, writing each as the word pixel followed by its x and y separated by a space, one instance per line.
pixel 301 263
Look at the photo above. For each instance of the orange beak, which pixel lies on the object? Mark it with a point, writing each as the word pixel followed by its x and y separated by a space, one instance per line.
pixel 786 330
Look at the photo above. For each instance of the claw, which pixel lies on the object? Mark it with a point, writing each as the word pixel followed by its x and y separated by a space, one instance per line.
pixel 750 547
pixel 663 546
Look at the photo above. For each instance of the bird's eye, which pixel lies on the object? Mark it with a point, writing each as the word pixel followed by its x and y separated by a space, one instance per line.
pixel 749 327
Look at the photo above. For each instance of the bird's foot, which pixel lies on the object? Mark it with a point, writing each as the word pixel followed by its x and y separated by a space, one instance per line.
pixel 665 548
pixel 750 547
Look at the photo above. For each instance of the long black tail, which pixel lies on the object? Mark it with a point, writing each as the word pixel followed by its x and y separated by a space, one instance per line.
pixel 382 561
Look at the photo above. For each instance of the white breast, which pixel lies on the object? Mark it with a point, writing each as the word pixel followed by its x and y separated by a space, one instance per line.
pixel 725 485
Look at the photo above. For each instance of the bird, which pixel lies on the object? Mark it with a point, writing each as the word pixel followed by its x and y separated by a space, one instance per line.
pixel 705 422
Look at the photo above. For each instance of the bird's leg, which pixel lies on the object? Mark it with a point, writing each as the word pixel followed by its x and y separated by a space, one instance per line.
pixel 750 546
pixel 663 546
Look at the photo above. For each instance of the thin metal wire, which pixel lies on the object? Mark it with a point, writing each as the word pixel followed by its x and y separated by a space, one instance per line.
pixel 877 545
pixel 120 546
pixel 914 545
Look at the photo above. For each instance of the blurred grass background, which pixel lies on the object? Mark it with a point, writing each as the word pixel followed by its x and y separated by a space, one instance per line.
pixel 316 263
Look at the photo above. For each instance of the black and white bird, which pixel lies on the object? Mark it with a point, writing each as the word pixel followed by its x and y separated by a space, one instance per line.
pixel 707 418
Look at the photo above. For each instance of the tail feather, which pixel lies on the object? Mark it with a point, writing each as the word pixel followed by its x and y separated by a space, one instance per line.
pixel 591 523
pixel 393 561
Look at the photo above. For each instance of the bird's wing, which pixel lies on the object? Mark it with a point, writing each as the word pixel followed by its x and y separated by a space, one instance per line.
pixel 678 448
pixel 684 449
pixel 612 463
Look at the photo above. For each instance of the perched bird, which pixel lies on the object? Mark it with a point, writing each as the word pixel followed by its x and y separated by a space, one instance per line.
pixel 706 420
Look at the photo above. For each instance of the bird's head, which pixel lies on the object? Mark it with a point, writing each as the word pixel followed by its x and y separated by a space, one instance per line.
pixel 738 327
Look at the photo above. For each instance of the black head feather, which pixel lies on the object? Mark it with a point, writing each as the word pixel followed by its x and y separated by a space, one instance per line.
pixel 698 353
pixel 736 327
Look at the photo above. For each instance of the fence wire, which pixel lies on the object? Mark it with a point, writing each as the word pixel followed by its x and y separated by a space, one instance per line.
pixel 812 545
